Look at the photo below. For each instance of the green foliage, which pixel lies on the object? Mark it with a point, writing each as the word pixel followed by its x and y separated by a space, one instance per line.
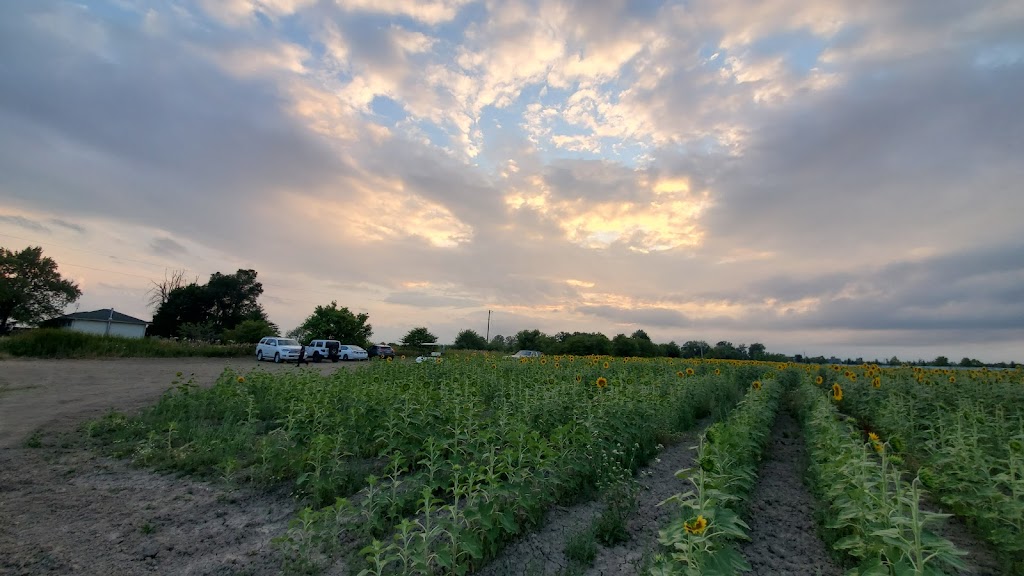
pixel 873 516
pixel 31 288
pixel 581 546
pixel 443 462
pixel 965 429
pixel 470 340
pixel 209 309
pixel 418 337
pixel 250 331
pixel 583 343
pixel 57 343
pixel 702 538
pixel 331 322
pixel 624 346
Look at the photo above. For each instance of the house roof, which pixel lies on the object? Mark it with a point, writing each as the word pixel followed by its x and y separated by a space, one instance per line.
pixel 103 316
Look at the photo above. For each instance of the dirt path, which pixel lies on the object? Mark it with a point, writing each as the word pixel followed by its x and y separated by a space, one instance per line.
pixel 543 551
pixel 783 534
pixel 65 510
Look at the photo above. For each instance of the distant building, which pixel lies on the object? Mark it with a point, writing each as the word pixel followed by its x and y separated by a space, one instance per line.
pixel 105 322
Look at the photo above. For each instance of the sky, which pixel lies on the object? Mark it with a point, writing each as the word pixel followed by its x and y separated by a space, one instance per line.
pixel 834 178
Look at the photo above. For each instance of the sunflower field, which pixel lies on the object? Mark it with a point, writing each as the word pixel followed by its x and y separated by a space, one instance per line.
pixel 433 468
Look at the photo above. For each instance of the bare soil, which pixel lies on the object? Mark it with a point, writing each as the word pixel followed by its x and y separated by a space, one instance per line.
pixel 66 510
pixel 783 533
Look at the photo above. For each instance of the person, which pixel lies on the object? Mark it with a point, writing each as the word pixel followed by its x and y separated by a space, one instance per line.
pixel 302 356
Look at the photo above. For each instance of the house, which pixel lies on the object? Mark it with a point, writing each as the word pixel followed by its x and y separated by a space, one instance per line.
pixel 105 322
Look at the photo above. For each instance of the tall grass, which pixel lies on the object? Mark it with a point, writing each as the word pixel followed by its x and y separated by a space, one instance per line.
pixel 59 343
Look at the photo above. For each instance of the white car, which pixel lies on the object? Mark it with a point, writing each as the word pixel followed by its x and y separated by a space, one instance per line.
pixel 352 352
pixel 277 349
pixel 526 354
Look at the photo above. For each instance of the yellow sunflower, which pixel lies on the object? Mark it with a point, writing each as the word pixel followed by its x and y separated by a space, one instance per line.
pixel 607 365
pixel 757 384
pixel 819 380
pixel 689 371
pixel 717 372
pixel 697 527
pixel 579 378
pixel 952 379
pixel 602 382
pixel 837 392
pixel 872 436
pixel 680 374
pixel 241 379
pixel 877 382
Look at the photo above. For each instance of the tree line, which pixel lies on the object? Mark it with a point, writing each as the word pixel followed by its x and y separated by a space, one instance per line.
pixel 638 344
pixel 226 307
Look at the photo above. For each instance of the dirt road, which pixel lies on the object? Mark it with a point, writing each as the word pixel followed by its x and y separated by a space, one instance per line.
pixel 66 510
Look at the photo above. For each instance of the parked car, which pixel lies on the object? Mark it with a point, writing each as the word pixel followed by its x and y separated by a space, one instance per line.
pixel 380 351
pixel 318 350
pixel 277 348
pixel 435 353
pixel 526 354
pixel 353 352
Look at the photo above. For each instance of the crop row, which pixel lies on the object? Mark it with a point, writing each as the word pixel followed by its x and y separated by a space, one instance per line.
pixel 873 515
pixel 964 432
pixel 700 540
pixel 434 466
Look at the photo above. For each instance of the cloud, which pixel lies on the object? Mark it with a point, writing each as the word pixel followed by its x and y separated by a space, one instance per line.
pixel 67 225
pixel 165 246
pixel 23 222
pixel 778 170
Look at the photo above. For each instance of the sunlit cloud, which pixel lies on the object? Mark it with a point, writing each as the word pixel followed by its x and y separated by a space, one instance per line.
pixel 780 170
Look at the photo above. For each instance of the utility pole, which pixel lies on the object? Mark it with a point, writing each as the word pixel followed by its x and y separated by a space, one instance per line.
pixel 488 326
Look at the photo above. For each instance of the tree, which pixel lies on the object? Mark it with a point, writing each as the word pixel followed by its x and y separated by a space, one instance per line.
pixel 161 291
pixel 233 298
pixel 250 331
pixel 31 288
pixel 941 361
pixel 695 349
pixel 497 344
pixel 470 340
pixel 185 305
pixel 418 337
pixel 624 346
pixel 331 322
pixel 671 350
pixel 756 351
pixel 582 344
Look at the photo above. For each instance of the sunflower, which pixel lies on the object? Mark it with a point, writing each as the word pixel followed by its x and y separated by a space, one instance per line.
pixel 837 392
pixel 689 371
pixel 602 382
pixel 241 379
pixel 717 372
pixel 873 437
pixel 819 380
pixel 680 373
pixel 543 360
pixel 697 527
pixel 579 378
pixel 607 365
pixel 757 384
pixel 952 379
pixel 877 382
